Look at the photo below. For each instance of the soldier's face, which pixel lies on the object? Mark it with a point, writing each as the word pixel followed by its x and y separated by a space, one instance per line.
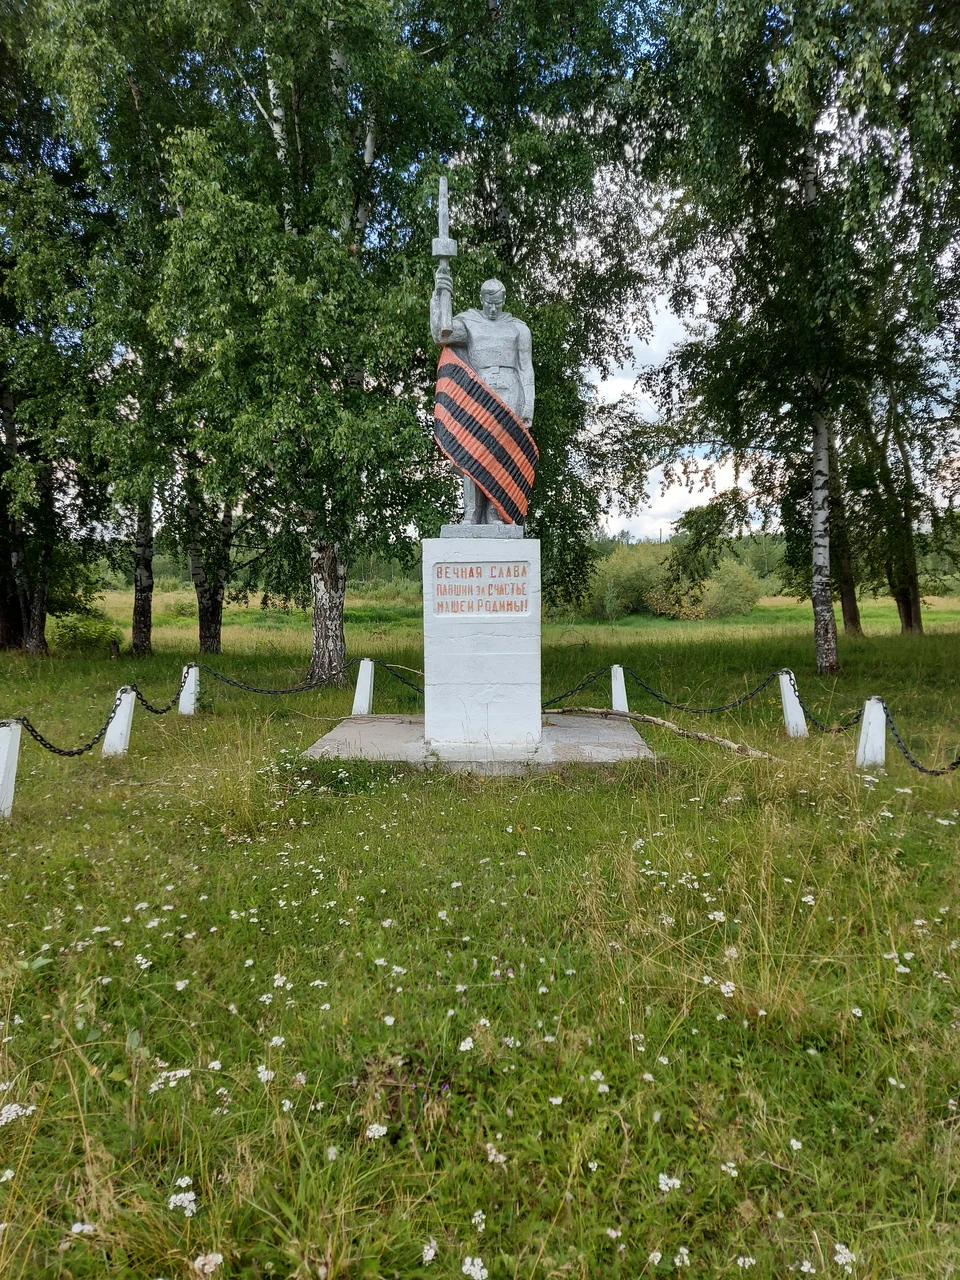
pixel 492 304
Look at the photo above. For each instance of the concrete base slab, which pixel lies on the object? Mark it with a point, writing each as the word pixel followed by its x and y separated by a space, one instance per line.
pixel 565 740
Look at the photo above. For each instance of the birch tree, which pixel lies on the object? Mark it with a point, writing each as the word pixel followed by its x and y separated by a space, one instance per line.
pixel 52 494
pixel 795 143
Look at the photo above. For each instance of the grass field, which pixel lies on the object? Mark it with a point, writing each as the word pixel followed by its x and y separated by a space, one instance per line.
pixel 697 1016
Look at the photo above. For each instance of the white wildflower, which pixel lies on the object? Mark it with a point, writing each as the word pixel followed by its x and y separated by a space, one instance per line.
pixel 207 1263
pixel 429 1251
pixel 185 1200
pixel 14 1111
pixel 667 1183
pixel 466 1045
pixel 376 1131
pixel 843 1257
pixel 474 1268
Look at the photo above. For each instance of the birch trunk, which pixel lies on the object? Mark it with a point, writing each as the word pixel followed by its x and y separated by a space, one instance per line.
pixel 12 631
pixel 210 583
pixel 32 576
pixel 328 582
pixel 910 619
pixel 143 581
pixel 840 540
pixel 35 636
pixel 821 594
pixel 11 616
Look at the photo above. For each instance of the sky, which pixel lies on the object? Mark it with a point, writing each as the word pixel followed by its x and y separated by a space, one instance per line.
pixel 656 517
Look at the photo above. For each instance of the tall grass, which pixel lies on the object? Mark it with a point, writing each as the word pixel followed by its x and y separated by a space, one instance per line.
pixel 514 982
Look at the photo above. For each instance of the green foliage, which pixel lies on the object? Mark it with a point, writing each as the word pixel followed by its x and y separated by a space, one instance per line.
pixel 676 598
pixel 91 632
pixel 812 216
pixel 624 579
pixel 732 590
pixel 184 606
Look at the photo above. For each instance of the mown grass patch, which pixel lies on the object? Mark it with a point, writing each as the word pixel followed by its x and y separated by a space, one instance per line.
pixel 705 1009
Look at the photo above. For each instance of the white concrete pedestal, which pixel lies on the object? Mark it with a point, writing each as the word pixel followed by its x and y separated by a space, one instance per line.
pixel 481 639
pixel 481 662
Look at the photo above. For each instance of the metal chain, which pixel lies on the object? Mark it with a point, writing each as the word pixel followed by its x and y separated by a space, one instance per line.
pixel 162 711
pixel 701 711
pixel 397 676
pixel 70 751
pixel 908 754
pixel 304 687
pixel 818 724
pixel 576 688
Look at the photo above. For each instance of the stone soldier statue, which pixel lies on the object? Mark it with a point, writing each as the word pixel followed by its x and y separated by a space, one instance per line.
pixel 495 344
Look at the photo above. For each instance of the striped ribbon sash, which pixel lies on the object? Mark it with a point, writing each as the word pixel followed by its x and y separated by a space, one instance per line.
pixel 483 438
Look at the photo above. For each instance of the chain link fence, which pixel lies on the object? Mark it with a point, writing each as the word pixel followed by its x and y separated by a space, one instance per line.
pixel 306 686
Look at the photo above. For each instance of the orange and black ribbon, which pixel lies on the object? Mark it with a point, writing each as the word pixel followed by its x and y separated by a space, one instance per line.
pixel 484 438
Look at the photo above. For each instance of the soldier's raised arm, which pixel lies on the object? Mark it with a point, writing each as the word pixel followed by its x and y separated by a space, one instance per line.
pixel 447 330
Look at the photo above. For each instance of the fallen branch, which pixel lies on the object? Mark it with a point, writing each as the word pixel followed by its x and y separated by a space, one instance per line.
pixel 740 748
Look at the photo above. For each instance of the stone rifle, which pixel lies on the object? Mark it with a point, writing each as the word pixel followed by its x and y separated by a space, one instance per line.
pixel 444 248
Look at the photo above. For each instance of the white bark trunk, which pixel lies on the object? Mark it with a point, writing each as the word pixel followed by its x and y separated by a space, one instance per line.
pixel 328 582
pixel 278 127
pixel 821 594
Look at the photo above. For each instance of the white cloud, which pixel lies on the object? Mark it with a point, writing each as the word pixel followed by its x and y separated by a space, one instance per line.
pixel 655 519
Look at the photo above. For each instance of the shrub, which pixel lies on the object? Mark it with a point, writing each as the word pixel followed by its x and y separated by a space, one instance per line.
pixel 731 591
pixel 85 633
pixel 676 600
pixel 168 584
pixel 182 607
pixel 623 580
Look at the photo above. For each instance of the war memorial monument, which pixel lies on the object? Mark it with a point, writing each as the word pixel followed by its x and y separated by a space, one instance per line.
pixel 481 577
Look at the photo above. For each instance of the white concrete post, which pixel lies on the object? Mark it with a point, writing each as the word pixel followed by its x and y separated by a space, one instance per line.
pixel 190 691
pixel 618 690
pixel 872 747
pixel 117 738
pixel 9 754
pixel 793 717
pixel 363 695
